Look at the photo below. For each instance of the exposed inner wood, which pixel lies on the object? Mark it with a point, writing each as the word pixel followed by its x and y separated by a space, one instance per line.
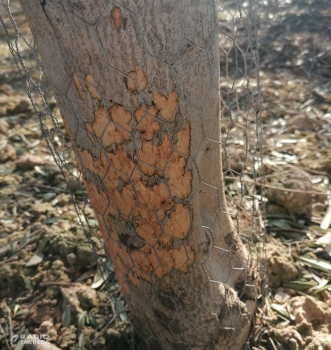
pixel 151 175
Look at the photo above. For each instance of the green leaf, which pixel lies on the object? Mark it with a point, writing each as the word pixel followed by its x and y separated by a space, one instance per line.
pixel 16 308
pixel 85 276
pixel 93 223
pixel 327 219
pixel 102 274
pixel 121 309
pixel 321 284
pixel 288 307
pixel 81 342
pixel 51 221
pixel 26 238
pixel 42 244
pixel 4 249
pixel 23 193
pixel 278 223
pixel 318 229
pixel 13 248
pixel 8 220
pixel 19 345
pixel 317 264
pixel 47 197
pixel 35 260
pixel 21 312
pixel 66 317
pixel 322 289
pixel 81 322
pixel 299 285
pixel 98 279
pixel 93 322
pixel 7 171
pixel 281 311
pixel 27 283
pixel 326 239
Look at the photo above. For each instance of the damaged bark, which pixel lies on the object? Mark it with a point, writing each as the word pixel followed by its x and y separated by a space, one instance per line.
pixel 137 86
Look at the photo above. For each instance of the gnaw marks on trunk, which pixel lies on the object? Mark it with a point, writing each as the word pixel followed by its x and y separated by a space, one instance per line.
pixel 137 87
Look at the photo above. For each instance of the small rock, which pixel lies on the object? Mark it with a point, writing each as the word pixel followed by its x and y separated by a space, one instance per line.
pixel 71 258
pixel 63 199
pixel 280 267
pixel 289 291
pixel 79 298
pixel 115 339
pixel 87 297
pixel 298 203
pixel 308 309
pixel 301 122
pixel 293 344
pixel 68 337
pixel 7 90
pixel 58 272
pixel 23 106
pixel 326 295
pixel 235 159
pixel 51 293
pixel 29 161
pixel 3 111
pixel 85 256
pixel 7 153
pixel 282 297
pixel 305 329
pixel 47 327
pixel 4 127
pixel 285 334
pixel 22 254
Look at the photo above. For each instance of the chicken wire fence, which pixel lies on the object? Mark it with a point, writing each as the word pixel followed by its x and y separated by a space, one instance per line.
pixel 146 240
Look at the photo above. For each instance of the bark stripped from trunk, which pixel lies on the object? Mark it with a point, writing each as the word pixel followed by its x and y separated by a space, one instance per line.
pixel 136 84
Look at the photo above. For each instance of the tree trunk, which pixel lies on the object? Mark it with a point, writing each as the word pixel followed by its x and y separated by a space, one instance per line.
pixel 137 86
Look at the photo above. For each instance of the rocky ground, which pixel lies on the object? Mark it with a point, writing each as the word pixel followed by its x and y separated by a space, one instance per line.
pixel 49 278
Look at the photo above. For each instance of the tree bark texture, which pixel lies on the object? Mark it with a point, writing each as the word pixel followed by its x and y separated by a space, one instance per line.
pixel 136 83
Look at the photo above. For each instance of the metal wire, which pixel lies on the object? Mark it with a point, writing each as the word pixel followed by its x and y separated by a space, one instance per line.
pixel 241 139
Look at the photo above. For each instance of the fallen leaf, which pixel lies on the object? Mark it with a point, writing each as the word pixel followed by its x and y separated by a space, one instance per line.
pixel 327 219
pixel 35 260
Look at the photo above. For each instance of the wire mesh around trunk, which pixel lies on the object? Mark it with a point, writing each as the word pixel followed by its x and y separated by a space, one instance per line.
pixel 241 144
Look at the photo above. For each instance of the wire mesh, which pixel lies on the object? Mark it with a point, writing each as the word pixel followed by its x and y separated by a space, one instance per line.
pixel 180 273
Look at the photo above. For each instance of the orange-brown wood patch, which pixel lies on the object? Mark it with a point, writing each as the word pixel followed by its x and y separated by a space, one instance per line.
pixel 153 211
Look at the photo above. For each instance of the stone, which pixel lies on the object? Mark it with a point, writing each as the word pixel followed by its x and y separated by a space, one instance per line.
pixel 79 298
pixel 297 203
pixel 29 161
pixel 58 272
pixel 7 153
pixel 47 327
pixel 7 90
pixel 293 344
pixel 282 297
pixel 310 310
pixel 71 258
pixel 64 242
pixel 68 337
pixel 63 199
pixel 23 106
pixel 4 127
pixel 280 266
pixel 301 122
pixel 85 256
